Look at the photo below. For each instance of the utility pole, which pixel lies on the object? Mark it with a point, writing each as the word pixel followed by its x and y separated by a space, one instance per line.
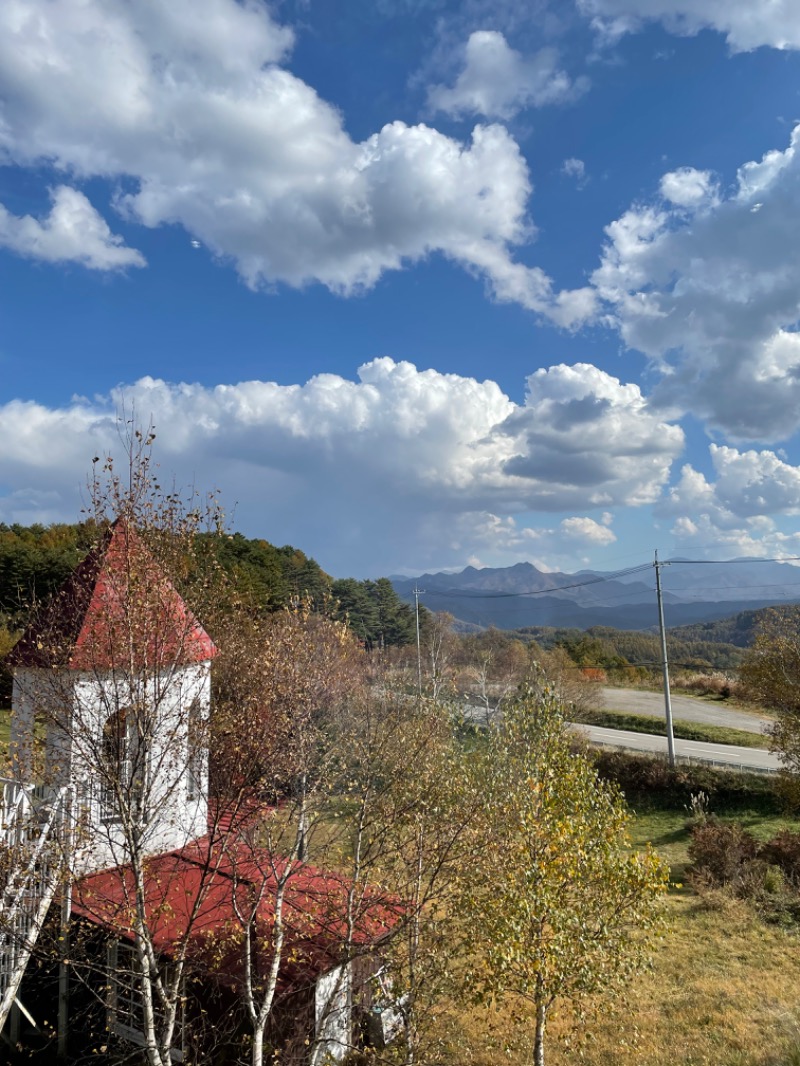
pixel 664 663
pixel 417 593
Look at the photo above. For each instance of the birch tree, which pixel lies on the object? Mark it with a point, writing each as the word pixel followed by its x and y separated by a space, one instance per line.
pixel 283 685
pixel 558 904
pixel 421 843
pixel 383 815
pixel 438 647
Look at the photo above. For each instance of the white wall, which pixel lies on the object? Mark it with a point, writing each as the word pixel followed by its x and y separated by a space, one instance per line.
pixel 75 707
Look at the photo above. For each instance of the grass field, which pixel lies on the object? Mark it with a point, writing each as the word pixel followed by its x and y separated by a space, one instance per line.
pixel 641 723
pixel 724 985
pixel 722 992
pixel 723 989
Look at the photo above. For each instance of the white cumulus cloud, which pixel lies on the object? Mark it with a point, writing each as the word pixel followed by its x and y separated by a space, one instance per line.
pixel 587 531
pixel 73 232
pixel 188 107
pixel 396 469
pixel 687 187
pixel 738 510
pixel 708 286
pixel 749 484
pixel 496 540
pixel 747 24
pixel 497 81
pixel 583 437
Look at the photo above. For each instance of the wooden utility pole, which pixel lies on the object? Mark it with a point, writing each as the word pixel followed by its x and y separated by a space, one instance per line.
pixel 664 662
pixel 417 593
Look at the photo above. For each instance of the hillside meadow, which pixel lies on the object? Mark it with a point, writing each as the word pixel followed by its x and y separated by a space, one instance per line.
pixel 723 986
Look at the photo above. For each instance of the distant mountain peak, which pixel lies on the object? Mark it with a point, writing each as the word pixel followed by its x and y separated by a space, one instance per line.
pixel 520 595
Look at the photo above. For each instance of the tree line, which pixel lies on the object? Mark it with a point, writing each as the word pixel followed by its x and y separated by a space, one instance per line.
pixel 694 647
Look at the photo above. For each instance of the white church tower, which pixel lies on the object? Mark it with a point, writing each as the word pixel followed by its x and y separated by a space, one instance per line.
pixel 111 699
pixel 109 754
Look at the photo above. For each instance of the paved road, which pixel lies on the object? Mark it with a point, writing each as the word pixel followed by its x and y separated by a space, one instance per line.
pixel 690 708
pixel 721 754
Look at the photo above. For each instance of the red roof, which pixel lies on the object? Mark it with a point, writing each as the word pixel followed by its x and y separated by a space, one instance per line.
pixel 189 897
pixel 116 610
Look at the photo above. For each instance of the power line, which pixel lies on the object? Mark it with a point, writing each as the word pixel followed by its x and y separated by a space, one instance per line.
pixel 731 562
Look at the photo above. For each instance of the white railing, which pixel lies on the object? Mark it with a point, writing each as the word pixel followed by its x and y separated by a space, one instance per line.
pixel 32 820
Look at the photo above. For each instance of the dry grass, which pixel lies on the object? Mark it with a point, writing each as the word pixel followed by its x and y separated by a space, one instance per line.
pixel 608 718
pixel 723 990
pixel 720 686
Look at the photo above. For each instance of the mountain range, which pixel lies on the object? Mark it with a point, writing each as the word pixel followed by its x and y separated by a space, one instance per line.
pixel 521 595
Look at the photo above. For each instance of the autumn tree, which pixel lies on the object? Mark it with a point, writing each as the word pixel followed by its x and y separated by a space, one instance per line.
pixel 374 801
pixel 492 666
pixel 566 678
pixel 438 648
pixel 116 670
pixel 280 680
pixel 411 833
pixel 770 674
pixel 557 905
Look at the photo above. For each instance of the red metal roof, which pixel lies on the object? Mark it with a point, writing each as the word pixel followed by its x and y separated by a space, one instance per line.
pixel 189 897
pixel 117 610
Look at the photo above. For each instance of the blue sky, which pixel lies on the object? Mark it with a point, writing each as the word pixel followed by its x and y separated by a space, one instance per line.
pixel 414 284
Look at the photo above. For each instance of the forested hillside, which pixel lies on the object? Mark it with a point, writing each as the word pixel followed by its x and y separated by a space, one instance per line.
pixel 739 630
pixel 688 647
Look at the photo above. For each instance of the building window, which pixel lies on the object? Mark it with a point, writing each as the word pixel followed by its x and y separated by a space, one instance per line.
pixel 125 1008
pixel 196 740
pixel 114 762
pixel 120 757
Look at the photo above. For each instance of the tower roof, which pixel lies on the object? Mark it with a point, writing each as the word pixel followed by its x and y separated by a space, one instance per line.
pixel 117 611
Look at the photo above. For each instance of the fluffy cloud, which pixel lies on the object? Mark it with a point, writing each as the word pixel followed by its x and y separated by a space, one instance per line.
pixel 582 437
pixel 496 81
pixel 495 541
pixel 708 286
pixel 688 187
pixel 398 468
pixel 748 485
pixel 737 511
pixel 747 24
pixel 755 539
pixel 72 232
pixel 587 531
pixel 186 106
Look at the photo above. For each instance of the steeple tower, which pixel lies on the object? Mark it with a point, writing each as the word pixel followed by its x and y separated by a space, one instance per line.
pixel 115 676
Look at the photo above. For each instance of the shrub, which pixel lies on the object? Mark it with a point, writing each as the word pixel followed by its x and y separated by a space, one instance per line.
pixel 698 809
pixel 708 685
pixel 722 855
pixel 783 852
pixel 728 859
pixel 650 779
